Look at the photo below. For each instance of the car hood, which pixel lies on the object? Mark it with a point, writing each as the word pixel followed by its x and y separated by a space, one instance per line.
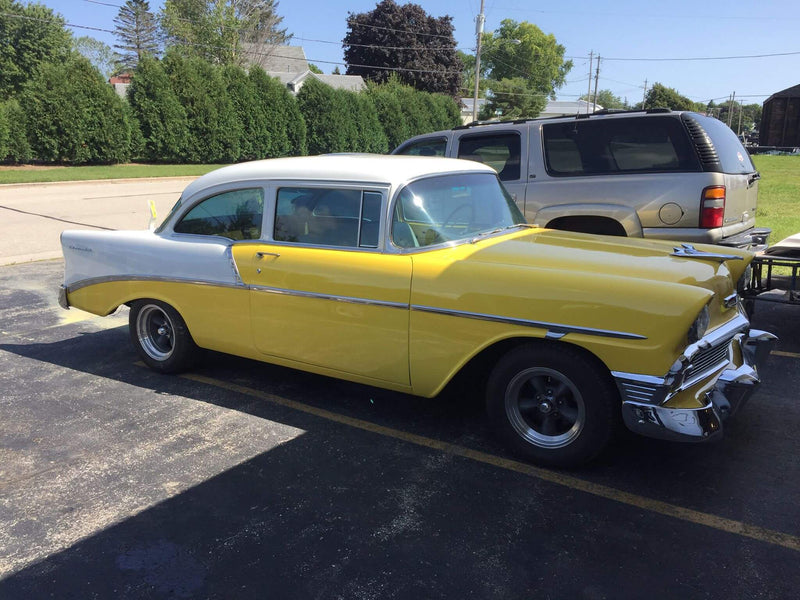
pixel 647 260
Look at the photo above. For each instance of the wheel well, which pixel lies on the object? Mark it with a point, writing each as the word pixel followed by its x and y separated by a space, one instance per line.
pixel 475 372
pixel 589 224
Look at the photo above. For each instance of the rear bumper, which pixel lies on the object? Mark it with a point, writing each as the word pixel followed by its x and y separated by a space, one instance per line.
pixel 62 297
pixel 730 392
pixel 754 239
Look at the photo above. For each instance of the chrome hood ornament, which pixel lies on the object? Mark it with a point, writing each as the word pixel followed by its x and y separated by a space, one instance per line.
pixel 689 251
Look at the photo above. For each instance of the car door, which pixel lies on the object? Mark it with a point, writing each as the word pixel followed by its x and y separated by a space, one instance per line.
pixel 322 292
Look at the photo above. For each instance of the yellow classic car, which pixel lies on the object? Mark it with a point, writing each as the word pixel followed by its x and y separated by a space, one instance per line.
pixel 401 272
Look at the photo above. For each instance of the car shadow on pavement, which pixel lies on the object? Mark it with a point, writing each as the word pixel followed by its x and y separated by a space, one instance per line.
pixel 327 510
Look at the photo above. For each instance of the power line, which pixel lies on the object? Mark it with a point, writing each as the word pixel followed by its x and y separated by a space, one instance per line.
pixel 698 58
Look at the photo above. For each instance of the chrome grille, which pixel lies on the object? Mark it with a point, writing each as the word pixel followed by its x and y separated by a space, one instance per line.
pixel 708 360
pixel 639 392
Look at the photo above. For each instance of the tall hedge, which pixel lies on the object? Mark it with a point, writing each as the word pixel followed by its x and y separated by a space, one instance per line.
pixel 255 137
pixel 390 114
pixel 3 132
pixel 161 118
pixel 371 137
pixel 328 122
pixel 17 148
pixel 215 131
pixel 74 116
pixel 296 128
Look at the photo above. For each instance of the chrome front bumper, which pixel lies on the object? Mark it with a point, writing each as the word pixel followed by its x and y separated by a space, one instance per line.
pixel 731 391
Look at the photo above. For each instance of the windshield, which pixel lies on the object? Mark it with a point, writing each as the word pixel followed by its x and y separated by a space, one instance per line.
pixel 451 208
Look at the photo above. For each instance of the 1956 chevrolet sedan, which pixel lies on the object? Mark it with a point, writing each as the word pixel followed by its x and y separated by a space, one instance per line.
pixel 400 272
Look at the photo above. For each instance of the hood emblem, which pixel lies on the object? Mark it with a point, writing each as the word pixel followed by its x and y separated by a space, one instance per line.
pixel 689 251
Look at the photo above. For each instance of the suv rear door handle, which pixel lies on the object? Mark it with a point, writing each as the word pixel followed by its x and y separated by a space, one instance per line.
pixel 753 178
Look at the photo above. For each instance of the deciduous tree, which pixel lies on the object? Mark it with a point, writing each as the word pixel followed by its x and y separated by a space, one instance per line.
pixel 29 35
pixel 405 41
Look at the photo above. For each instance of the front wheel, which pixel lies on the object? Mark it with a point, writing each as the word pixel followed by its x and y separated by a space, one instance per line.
pixel 161 337
pixel 551 404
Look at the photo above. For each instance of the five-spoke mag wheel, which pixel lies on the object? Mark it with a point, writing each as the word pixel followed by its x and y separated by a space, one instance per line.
pixel 552 403
pixel 161 336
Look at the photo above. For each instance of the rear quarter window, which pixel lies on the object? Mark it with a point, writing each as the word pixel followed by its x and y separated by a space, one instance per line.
pixel 733 156
pixel 609 146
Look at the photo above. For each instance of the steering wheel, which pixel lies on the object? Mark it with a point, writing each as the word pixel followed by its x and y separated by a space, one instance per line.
pixel 460 208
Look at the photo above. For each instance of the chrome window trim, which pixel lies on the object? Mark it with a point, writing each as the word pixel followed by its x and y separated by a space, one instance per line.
pixel 553 329
pixel 117 278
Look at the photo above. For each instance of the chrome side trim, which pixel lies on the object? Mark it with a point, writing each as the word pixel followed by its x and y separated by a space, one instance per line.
pixel 333 297
pixel 553 329
pixel 114 278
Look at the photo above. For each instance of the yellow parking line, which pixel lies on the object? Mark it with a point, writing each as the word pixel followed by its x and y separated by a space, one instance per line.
pixel 782 353
pixel 671 510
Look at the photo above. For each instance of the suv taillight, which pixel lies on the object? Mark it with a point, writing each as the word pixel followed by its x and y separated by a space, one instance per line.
pixel 712 207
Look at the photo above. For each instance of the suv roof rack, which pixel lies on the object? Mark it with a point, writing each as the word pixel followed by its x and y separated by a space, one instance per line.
pixel 603 111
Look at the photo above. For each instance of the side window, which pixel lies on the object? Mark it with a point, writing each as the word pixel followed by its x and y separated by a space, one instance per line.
pixel 603 147
pixel 499 151
pixel 426 147
pixel 328 217
pixel 235 215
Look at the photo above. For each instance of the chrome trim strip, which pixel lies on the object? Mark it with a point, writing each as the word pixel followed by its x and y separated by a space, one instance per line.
pixel 333 297
pixel 115 278
pixel 553 329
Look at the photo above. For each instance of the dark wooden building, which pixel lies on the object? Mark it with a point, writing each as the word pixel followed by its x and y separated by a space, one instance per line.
pixel 780 119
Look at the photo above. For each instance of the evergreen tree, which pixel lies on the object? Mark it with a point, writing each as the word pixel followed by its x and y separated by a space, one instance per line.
pixel 137 31
pixel 327 120
pixel 74 116
pixel 269 99
pixel 161 118
pixel 215 131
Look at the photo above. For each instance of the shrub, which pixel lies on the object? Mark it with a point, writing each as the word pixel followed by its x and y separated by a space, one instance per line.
pixel 328 125
pixel 390 114
pixel 163 127
pixel 3 132
pixel 215 131
pixel 73 116
pixel 268 96
pixel 18 150
pixel 255 135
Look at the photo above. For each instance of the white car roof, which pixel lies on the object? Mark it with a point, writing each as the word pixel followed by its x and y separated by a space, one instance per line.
pixel 362 168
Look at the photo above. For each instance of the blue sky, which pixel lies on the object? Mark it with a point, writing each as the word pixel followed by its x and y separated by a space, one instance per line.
pixel 621 29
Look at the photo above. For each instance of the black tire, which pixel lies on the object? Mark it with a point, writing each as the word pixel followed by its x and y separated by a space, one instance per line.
pixel 552 405
pixel 161 337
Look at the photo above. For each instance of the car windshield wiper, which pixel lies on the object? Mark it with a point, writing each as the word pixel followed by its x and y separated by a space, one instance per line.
pixel 485 234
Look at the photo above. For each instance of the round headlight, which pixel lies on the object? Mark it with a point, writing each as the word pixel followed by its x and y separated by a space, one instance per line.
pixel 698 328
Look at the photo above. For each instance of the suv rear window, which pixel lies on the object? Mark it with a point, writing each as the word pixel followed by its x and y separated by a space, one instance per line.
pixel 655 144
pixel 732 155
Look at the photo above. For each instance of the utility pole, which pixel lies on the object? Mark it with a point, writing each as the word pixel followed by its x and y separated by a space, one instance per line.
pixel 589 91
pixel 741 111
pixel 596 77
pixel 644 93
pixel 730 109
pixel 478 31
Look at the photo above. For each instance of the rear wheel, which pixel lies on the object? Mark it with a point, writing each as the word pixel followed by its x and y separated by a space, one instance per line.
pixel 161 337
pixel 551 404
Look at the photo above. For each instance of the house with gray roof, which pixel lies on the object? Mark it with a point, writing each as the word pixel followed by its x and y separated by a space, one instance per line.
pixel 290 66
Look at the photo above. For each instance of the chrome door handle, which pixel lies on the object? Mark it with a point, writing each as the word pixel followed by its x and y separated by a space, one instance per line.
pixel 263 254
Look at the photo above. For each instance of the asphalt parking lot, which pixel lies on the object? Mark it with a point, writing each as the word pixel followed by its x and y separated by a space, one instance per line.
pixel 245 480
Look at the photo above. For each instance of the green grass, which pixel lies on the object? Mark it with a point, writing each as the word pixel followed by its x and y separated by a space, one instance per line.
pixel 46 174
pixel 778 195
